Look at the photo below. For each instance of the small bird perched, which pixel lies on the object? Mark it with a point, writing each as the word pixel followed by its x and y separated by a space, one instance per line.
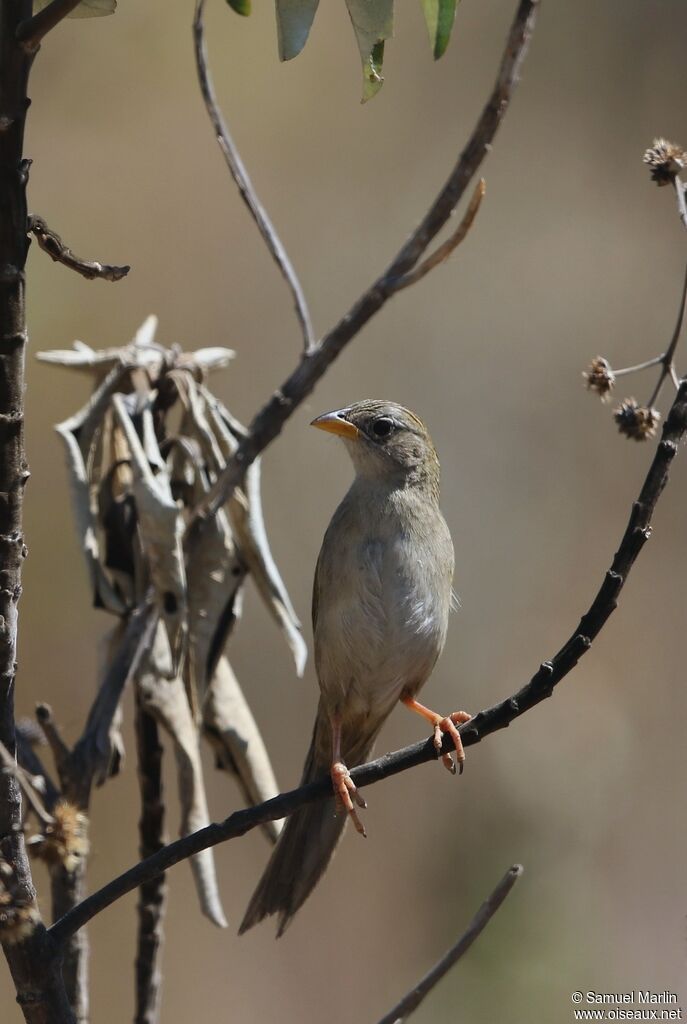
pixel 381 602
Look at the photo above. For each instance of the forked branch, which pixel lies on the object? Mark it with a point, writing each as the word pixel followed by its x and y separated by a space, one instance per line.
pixel 442 252
pixel 32 31
pixel 50 242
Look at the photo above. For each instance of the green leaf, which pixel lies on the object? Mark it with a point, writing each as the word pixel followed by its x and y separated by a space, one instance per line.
pixel 86 9
pixel 373 23
pixel 294 20
pixel 373 79
pixel 240 6
pixel 439 15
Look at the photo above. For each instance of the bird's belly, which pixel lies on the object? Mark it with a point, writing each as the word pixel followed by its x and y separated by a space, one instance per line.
pixel 381 634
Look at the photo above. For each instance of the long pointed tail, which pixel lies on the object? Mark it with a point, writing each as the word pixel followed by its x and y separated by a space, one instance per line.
pixel 305 846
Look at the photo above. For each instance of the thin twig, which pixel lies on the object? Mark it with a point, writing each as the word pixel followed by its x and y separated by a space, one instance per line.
pixel 51 243
pixel 33 30
pixel 60 750
pixel 670 351
pixel 245 185
pixel 443 251
pixel 647 364
pixel 680 196
pixel 500 715
pixel 271 418
pixel 32 763
pixel 152 895
pixel 668 358
pixel 29 790
pixel 410 1002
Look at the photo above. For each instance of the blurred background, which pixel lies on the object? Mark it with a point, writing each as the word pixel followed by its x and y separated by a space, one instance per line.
pixel 574 253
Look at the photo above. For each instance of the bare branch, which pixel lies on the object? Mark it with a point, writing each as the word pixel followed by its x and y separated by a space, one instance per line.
pixel 410 1002
pixel 271 418
pixel 33 30
pixel 667 360
pixel 245 185
pixel 152 896
pixel 87 758
pixel 672 345
pixel 32 763
pixel 51 243
pixel 60 750
pixel 444 251
pixel 67 889
pixel 500 715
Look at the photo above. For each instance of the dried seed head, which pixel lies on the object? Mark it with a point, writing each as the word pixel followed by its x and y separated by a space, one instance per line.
pixel 65 841
pixel 636 421
pixel 600 377
pixel 17 921
pixel 666 160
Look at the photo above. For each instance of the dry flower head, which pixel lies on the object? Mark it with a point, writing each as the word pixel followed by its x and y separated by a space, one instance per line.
pixel 635 420
pixel 16 922
pixel 666 160
pixel 600 377
pixel 65 841
pixel 18 918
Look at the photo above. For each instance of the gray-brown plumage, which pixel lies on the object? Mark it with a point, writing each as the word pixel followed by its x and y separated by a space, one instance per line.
pixel 381 603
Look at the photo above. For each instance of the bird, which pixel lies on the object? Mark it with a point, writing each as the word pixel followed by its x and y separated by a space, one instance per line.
pixel 381 600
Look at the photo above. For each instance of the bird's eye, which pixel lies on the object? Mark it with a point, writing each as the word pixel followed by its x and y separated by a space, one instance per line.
pixel 382 427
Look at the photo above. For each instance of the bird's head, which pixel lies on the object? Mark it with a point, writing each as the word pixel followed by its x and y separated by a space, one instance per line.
pixel 385 441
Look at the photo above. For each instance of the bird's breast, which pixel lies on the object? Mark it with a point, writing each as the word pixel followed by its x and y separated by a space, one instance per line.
pixel 382 616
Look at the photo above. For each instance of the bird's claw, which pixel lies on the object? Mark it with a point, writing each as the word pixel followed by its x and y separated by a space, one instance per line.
pixel 448 725
pixel 344 788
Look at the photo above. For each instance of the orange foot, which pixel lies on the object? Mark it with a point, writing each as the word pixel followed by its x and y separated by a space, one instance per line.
pixel 442 725
pixel 344 788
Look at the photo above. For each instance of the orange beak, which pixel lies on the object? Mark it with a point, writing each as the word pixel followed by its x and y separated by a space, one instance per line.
pixel 334 423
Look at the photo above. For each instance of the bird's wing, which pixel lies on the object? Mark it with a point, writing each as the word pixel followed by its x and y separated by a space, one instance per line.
pixel 316 592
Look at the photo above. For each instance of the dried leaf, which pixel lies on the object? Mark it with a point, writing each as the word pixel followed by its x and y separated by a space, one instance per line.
pixel 195 424
pixel 216 433
pixel 229 726
pixel 227 428
pixel 245 513
pixel 245 516
pixel 165 699
pixel 145 335
pixel 92 757
pixel 215 573
pixel 78 433
pixel 106 594
pixel 207 359
pixel 161 528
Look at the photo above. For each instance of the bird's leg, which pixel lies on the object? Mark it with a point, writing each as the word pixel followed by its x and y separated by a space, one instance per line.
pixel 343 785
pixel 442 725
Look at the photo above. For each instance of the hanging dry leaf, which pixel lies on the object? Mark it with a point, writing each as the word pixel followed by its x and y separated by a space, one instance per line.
pixel 245 513
pixel 161 529
pixel 163 695
pixel 229 726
